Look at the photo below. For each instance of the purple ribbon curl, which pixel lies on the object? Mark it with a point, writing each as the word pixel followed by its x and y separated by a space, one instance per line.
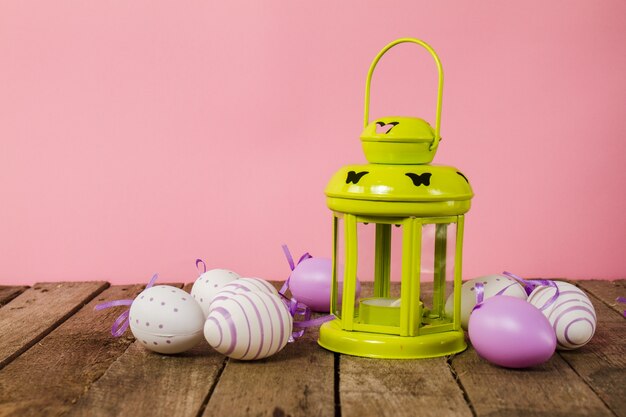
pixel 296 308
pixel 120 325
pixel 198 262
pixel 528 285
pixel 623 301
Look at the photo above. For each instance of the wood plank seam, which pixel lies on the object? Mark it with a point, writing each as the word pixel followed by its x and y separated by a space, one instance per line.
pixel 12 294
pixel 595 299
pixel 52 327
pixel 582 378
pixel 460 385
pixel 337 360
pixel 598 298
pixel 55 372
pixel 209 394
pixel 88 387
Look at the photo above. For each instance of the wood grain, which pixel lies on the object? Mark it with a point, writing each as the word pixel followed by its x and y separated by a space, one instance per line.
pixel 77 369
pixel 7 293
pixel 144 383
pixel 49 377
pixel 607 291
pixel 588 381
pixel 602 362
pixel 425 387
pixel 551 389
pixel 38 311
pixel 297 381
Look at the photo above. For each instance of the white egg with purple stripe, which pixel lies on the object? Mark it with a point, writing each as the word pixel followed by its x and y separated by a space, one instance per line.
pixel 249 325
pixel 242 285
pixel 209 284
pixel 492 285
pixel 166 319
pixel 571 315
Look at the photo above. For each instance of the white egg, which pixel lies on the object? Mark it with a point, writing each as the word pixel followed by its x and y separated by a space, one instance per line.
pixel 493 284
pixel 571 315
pixel 210 283
pixel 242 285
pixel 166 319
pixel 249 325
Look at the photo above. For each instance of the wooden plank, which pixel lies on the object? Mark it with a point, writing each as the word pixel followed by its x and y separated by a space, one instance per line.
pixel 49 377
pixel 297 381
pixel 607 291
pixel 552 389
pixel 373 387
pixel 424 387
pixel 549 389
pixel 602 362
pixel 144 383
pixel 7 293
pixel 38 311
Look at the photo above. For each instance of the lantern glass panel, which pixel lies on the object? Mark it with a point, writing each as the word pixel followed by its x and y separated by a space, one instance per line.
pixel 371 241
pixel 437 266
pixel 339 265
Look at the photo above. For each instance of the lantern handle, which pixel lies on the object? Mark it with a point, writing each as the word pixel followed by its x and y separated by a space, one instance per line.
pixel 368 82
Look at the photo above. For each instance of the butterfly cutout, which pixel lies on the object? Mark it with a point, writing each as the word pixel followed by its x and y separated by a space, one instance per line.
pixel 382 127
pixel 355 177
pixel 419 179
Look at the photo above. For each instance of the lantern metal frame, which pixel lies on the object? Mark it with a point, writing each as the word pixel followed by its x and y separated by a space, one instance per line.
pixel 380 193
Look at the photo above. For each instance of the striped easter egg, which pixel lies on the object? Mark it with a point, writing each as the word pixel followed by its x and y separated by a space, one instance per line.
pixel 239 286
pixel 249 325
pixel 571 315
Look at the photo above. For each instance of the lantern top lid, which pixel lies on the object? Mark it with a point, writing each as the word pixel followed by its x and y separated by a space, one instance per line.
pixel 399 190
pixel 399 140
pixel 399 181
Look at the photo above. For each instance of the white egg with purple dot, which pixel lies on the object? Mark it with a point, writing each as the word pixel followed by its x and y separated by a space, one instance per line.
pixel 209 284
pixel 166 319
pixel 492 285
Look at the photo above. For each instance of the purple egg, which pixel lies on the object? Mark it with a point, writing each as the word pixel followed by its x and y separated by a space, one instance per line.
pixel 511 332
pixel 310 283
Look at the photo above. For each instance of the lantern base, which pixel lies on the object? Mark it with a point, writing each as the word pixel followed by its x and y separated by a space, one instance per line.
pixel 388 346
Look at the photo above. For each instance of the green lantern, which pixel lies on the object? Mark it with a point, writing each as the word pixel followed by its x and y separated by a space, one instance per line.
pixel 397 192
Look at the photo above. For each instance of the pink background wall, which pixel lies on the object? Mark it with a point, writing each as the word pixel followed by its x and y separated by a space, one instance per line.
pixel 136 136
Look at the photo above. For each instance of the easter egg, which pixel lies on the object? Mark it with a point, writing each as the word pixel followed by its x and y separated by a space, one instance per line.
pixel 571 315
pixel 492 284
pixel 210 283
pixel 310 283
pixel 242 285
pixel 166 319
pixel 249 325
pixel 510 332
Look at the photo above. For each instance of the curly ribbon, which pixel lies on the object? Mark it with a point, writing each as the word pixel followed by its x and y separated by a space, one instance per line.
pixel 198 262
pixel 528 285
pixel 296 308
pixel 480 295
pixel 121 323
pixel 623 301
pixel 292 265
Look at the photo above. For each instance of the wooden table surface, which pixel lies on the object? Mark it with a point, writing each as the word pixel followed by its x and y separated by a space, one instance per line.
pixel 57 358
